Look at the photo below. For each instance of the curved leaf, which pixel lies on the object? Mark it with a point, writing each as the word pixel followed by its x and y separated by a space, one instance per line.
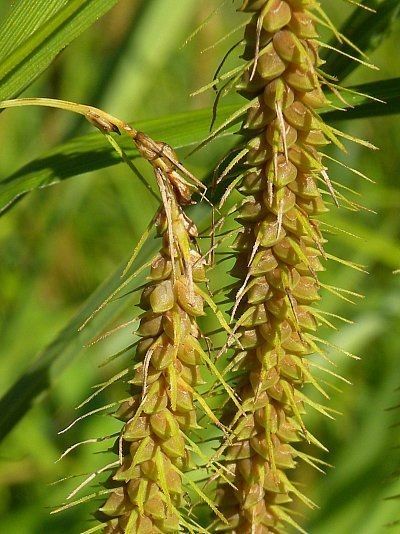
pixel 35 32
pixel 366 30
pixel 47 368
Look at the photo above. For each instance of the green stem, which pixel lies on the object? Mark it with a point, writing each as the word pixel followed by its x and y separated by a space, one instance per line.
pixel 102 120
pixel 122 154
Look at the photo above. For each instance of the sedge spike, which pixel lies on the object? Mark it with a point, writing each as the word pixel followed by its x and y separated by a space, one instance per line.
pixel 147 492
pixel 280 253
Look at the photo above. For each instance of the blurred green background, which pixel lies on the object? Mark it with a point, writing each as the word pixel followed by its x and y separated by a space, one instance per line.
pixel 59 244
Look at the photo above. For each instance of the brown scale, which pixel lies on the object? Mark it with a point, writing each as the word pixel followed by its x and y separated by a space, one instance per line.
pixel 280 234
pixel 147 490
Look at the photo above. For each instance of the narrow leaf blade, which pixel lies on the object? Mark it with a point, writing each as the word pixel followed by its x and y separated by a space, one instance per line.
pixel 42 29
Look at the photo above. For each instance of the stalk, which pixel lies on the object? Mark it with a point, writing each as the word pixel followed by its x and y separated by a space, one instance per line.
pixel 280 248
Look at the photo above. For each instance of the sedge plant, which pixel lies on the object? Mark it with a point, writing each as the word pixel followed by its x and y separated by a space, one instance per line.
pixel 251 407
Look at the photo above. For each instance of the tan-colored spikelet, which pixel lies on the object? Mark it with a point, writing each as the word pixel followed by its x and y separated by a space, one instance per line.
pixel 147 492
pixel 280 249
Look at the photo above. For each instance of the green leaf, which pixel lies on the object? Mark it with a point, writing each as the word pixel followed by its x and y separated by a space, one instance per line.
pixel 386 90
pixel 364 29
pixel 35 32
pixel 47 368
pixel 92 152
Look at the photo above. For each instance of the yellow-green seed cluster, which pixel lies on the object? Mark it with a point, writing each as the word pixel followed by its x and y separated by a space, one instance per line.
pixel 279 253
pixel 147 492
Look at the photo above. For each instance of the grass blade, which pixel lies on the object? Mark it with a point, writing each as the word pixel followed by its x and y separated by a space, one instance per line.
pixel 92 152
pixel 35 32
pixel 386 90
pixel 48 367
pixel 366 30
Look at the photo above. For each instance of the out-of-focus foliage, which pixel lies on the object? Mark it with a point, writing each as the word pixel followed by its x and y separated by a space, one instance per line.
pixel 59 244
